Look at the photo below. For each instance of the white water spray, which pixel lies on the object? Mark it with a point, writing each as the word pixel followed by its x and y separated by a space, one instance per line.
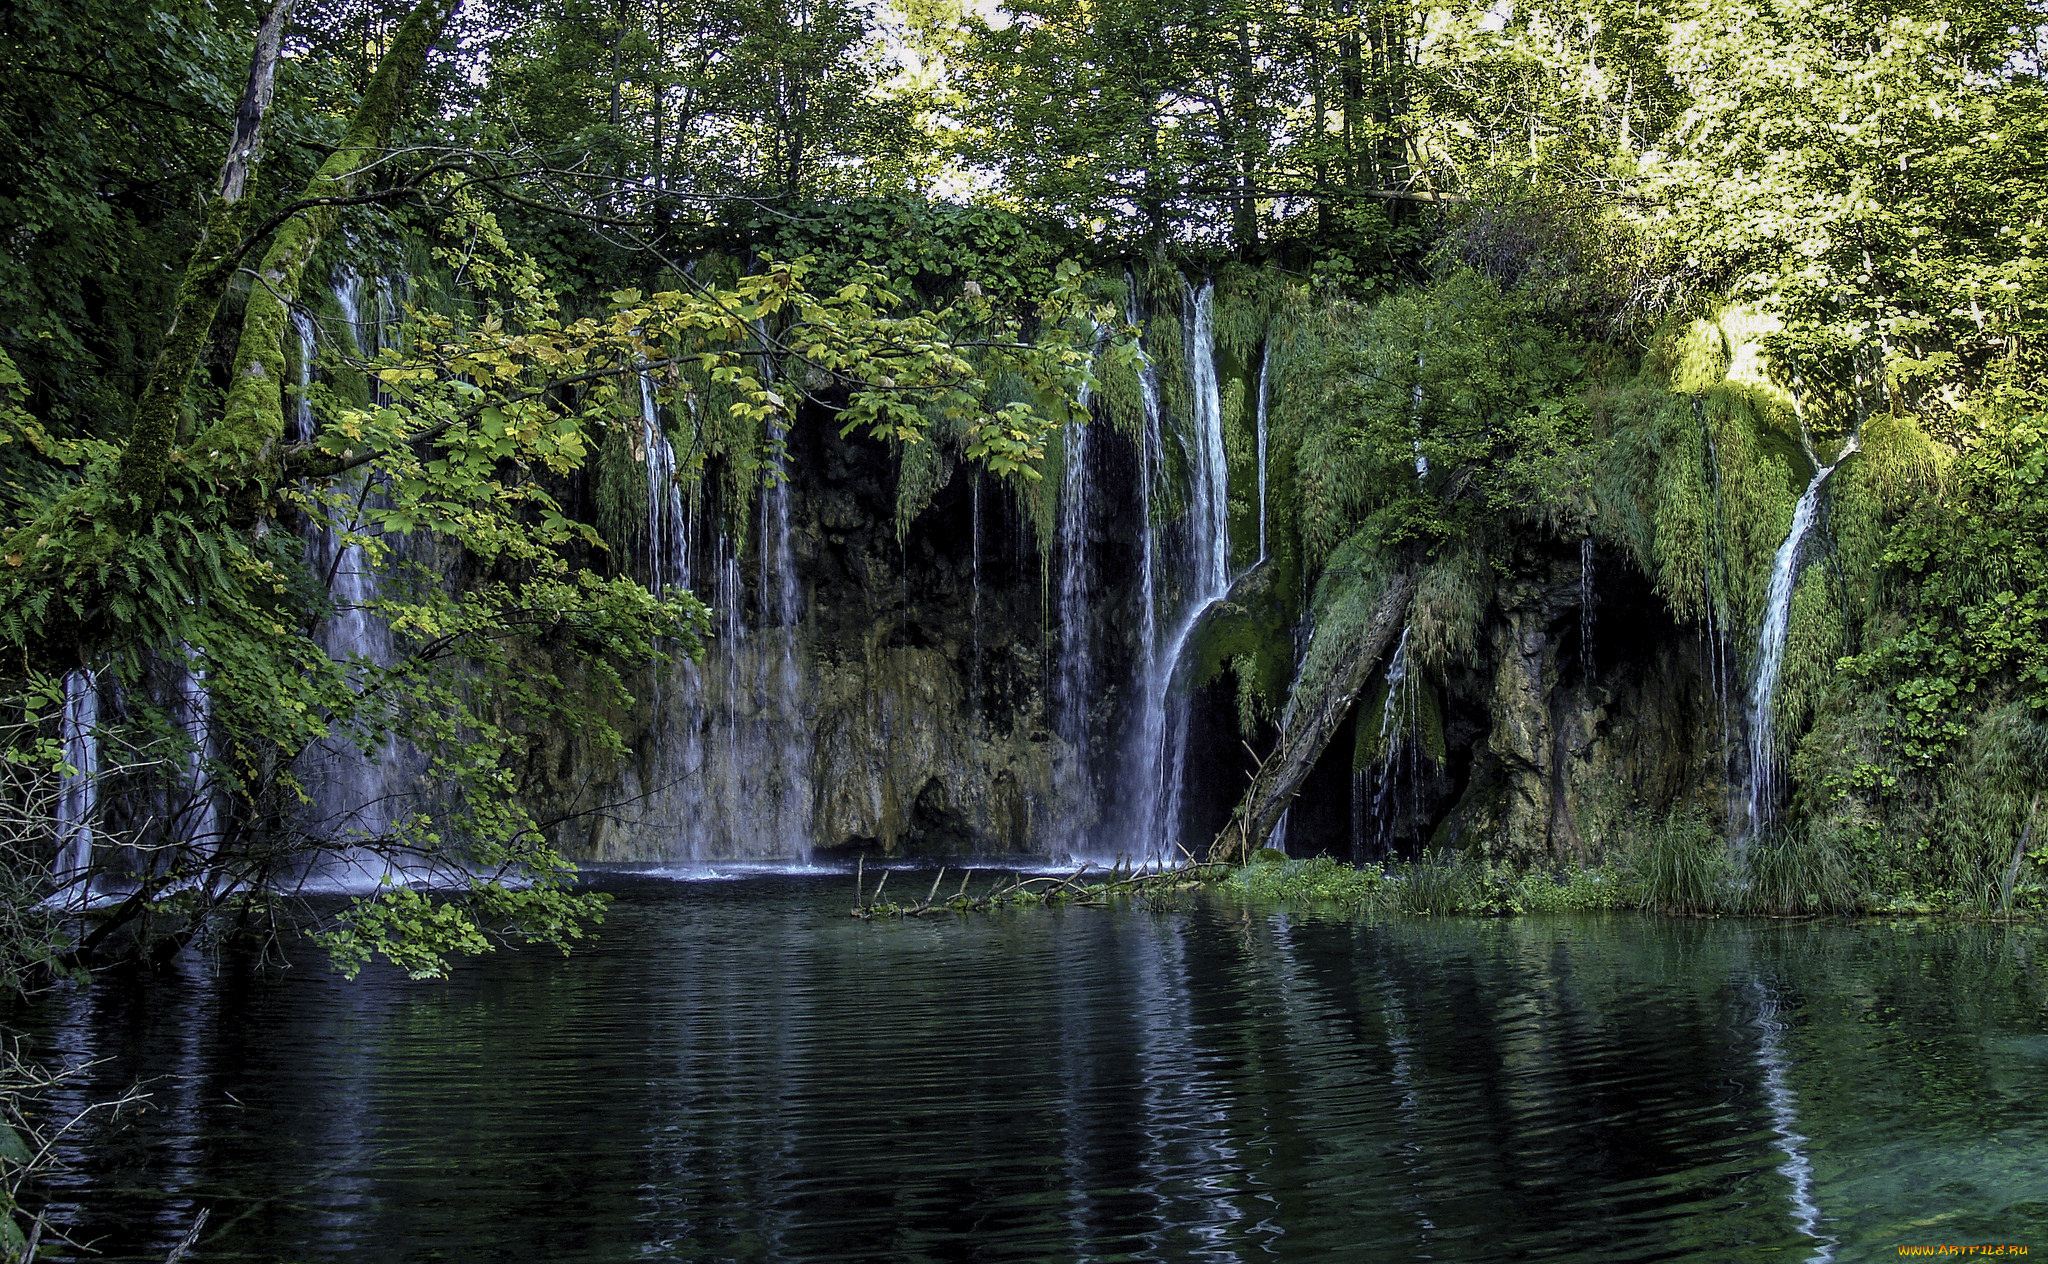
pixel 1166 712
pixel 1265 362
pixel 1770 648
pixel 78 788
pixel 668 520
pixel 1076 664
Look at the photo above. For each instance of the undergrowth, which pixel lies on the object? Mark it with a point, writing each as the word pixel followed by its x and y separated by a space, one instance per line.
pixel 1679 866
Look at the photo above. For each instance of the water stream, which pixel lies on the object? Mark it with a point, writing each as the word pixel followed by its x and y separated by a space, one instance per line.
pixel 355 791
pixel 1208 564
pixel 1397 738
pixel 78 786
pixel 1764 788
pixel 1073 699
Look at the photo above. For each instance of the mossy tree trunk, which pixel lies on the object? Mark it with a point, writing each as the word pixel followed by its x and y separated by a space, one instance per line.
pixel 245 438
pixel 200 291
pixel 1312 719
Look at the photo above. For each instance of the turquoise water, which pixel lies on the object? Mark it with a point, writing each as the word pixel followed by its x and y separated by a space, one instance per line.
pixel 738 1071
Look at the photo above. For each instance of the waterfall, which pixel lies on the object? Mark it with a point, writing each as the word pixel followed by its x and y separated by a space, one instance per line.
pixel 353 792
pixel 78 786
pixel 1151 709
pixel 1265 362
pixel 1397 723
pixel 348 296
pixel 302 416
pixel 668 522
pixel 1208 539
pixel 195 717
pixel 730 777
pixel 1770 648
pixel 1162 731
pixel 1208 469
pixel 1073 697
pixel 1586 609
pixel 780 696
pixel 350 789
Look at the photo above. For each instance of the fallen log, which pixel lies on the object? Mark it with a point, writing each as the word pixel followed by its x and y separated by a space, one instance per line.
pixel 1349 654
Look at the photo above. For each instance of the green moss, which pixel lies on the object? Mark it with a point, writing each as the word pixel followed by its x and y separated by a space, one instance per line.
pixel 921 469
pixel 619 490
pixel 252 417
pixel 1418 717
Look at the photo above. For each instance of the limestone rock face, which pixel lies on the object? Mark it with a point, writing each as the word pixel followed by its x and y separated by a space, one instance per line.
pixel 902 706
pixel 902 711
pixel 1578 737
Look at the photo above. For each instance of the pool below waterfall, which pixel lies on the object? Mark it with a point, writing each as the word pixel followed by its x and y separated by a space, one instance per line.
pixel 736 1070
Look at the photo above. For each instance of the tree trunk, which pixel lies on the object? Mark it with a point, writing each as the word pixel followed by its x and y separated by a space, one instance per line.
pixel 200 291
pixel 252 420
pixel 1308 726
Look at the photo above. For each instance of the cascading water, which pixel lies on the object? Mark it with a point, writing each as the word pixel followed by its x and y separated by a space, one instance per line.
pixel 1586 608
pixel 1399 749
pixel 668 522
pixel 1770 648
pixel 201 824
pixel 1208 472
pixel 353 793
pixel 781 682
pixel 302 415
pixel 1265 361
pixel 78 787
pixel 1150 729
pixel 729 771
pixel 1163 727
pixel 1073 698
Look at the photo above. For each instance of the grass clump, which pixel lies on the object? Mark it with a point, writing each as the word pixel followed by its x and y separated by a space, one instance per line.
pixel 1681 865
pixel 1440 883
pixel 1320 879
pixel 1801 872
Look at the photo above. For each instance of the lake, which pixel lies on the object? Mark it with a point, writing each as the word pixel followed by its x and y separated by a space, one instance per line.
pixel 737 1070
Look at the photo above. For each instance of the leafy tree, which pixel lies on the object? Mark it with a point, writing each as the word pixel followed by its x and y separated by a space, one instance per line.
pixel 161 545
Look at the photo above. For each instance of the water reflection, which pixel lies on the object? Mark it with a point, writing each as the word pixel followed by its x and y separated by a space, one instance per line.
pixel 741 1072
pixel 1784 1106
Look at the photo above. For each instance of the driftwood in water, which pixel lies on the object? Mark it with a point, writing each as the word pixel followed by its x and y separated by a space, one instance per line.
pixel 1009 890
pixel 1311 721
